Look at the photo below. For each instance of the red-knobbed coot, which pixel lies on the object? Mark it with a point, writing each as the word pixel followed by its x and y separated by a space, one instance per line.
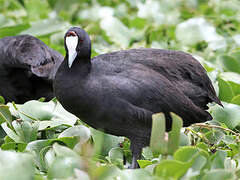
pixel 118 92
pixel 27 68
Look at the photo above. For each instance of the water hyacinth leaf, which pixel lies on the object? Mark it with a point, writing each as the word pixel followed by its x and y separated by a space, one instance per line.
pixel 236 100
pixel 64 151
pixel 197 157
pixel 2 100
pixel 63 167
pixel 115 156
pixel 79 174
pixel 37 9
pixel 174 169
pixel 229 115
pixel 174 134
pixel 112 172
pixel 158 143
pixel 103 143
pixel 136 174
pixel 25 130
pixel 46 111
pixel 13 30
pixel 144 163
pixel 225 90
pixel 118 32
pixel 11 133
pixel 218 160
pixel 219 174
pixel 233 79
pixel 16 166
pixel 196 30
pixel 229 63
pixel 5 114
pixel 46 27
pixel 80 131
pixel 35 147
pixel 19 147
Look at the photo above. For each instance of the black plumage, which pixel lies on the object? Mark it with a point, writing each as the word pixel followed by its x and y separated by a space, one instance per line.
pixel 118 92
pixel 27 68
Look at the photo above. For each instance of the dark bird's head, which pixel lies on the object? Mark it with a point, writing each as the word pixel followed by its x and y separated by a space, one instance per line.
pixel 32 54
pixel 77 44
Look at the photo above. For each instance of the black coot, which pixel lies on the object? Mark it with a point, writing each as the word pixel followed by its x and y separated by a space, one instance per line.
pixel 118 92
pixel 27 68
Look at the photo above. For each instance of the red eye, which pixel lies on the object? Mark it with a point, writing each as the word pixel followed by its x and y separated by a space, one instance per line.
pixel 80 40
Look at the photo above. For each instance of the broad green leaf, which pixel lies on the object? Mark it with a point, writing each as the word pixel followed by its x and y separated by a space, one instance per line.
pixel 5 114
pixel 19 147
pixel 144 163
pixel 225 90
pixel 103 143
pixel 26 131
pixel 174 169
pixel 13 30
pixel 11 133
pixel 233 79
pixel 37 9
pixel 158 143
pixel 229 115
pixel 229 63
pixel 46 27
pixel 63 167
pixel 80 131
pixel 197 157
pixel 174 134
pixel 16 166
pixel 236 100
pixel 49 114
pixel 218 160
pixel 115 156
pixel 219 174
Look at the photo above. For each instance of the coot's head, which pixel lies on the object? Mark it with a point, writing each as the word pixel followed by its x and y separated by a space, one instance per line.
pixel 77 45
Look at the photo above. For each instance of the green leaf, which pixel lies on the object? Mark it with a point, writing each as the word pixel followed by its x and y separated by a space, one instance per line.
pixel 218 160
pixel 229 63
pixel 20 147
pixel 219 174
pixel 236 100
pixel 80 131
pixel 5 114
pixel 49 114
pixel 103 143
pixel 144 163
pixel 115 156
pixel 37 9
pixel 11 133
pixel 197 157
pixel 229 115
pixel 46 27
pixel 158 143
pixel 16 166
pixel 13 30
pixel 174 134
pixel 174 169
pixel 26 131
pixel 225 90
pixel 63 167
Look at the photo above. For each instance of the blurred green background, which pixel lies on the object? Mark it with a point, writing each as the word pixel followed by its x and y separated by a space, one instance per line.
pixel 208 29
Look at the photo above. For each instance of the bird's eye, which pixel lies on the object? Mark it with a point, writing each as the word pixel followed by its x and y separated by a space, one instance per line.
pixel 80 40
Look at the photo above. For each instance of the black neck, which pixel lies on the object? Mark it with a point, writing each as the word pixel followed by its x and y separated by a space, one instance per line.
pixel 81 65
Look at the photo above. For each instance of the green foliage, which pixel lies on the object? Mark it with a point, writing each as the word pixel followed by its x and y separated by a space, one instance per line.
pixel 40 140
